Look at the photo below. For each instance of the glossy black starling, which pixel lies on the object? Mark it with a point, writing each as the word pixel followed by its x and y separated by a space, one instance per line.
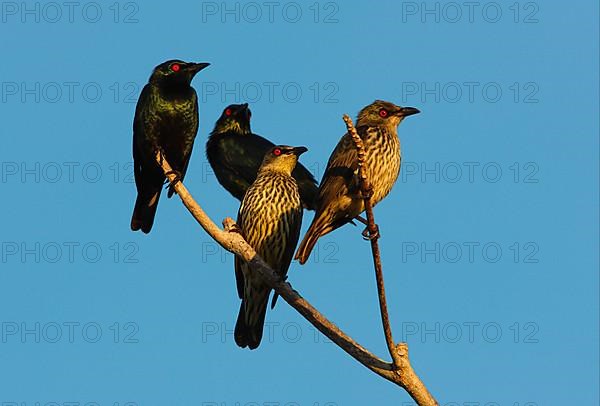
pixel 235 154
pixel 166 118
pixel 339 199
pixel 269 218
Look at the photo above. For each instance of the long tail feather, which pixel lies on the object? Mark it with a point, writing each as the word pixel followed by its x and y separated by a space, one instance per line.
pixel 319 227
pixel 250 322
pixel 144 211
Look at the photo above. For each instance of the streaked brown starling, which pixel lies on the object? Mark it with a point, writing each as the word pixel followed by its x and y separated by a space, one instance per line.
pixel 166 118
pixel 235 154
pixel 339 200
pixel 269 218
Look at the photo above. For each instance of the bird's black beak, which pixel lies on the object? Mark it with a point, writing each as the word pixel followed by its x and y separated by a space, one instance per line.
pixel 407 111
pixel 299 150
pixel 194 68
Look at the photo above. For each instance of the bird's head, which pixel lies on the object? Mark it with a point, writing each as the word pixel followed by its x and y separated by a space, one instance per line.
pixel 282 158
pixel 383 113
pixel 235 118
pixel 176 72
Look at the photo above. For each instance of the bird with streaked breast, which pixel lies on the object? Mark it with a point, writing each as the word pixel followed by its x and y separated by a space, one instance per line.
pixel 235 154
pixel 166 119
pixel 339 200
pixel 269 218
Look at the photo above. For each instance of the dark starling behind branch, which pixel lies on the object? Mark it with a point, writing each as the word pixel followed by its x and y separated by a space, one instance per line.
pixel 235 154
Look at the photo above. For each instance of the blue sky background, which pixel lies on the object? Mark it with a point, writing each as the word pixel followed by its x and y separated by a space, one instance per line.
pixel 490 237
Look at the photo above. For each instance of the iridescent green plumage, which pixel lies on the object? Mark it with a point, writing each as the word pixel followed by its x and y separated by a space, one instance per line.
pixel 166 118
pixel 235 154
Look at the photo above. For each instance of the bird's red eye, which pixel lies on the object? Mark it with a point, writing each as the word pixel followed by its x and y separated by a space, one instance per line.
pixel 227 112
pixel 276 152
pixel 383 113
pixel 175 67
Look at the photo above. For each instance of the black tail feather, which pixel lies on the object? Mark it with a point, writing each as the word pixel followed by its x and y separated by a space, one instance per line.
pixel 246 334
pixel 144 211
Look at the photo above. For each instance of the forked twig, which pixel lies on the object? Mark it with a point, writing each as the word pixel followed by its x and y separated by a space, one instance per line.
pixel 401 374
pixel 366 190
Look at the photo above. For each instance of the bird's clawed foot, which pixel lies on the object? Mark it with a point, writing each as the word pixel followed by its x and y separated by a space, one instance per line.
pixel 176 179
pixel 161 153
pixel 368 235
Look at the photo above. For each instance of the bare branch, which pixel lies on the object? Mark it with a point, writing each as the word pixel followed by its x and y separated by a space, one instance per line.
pixel 398 353
pixel 235 243
pixel 367 191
